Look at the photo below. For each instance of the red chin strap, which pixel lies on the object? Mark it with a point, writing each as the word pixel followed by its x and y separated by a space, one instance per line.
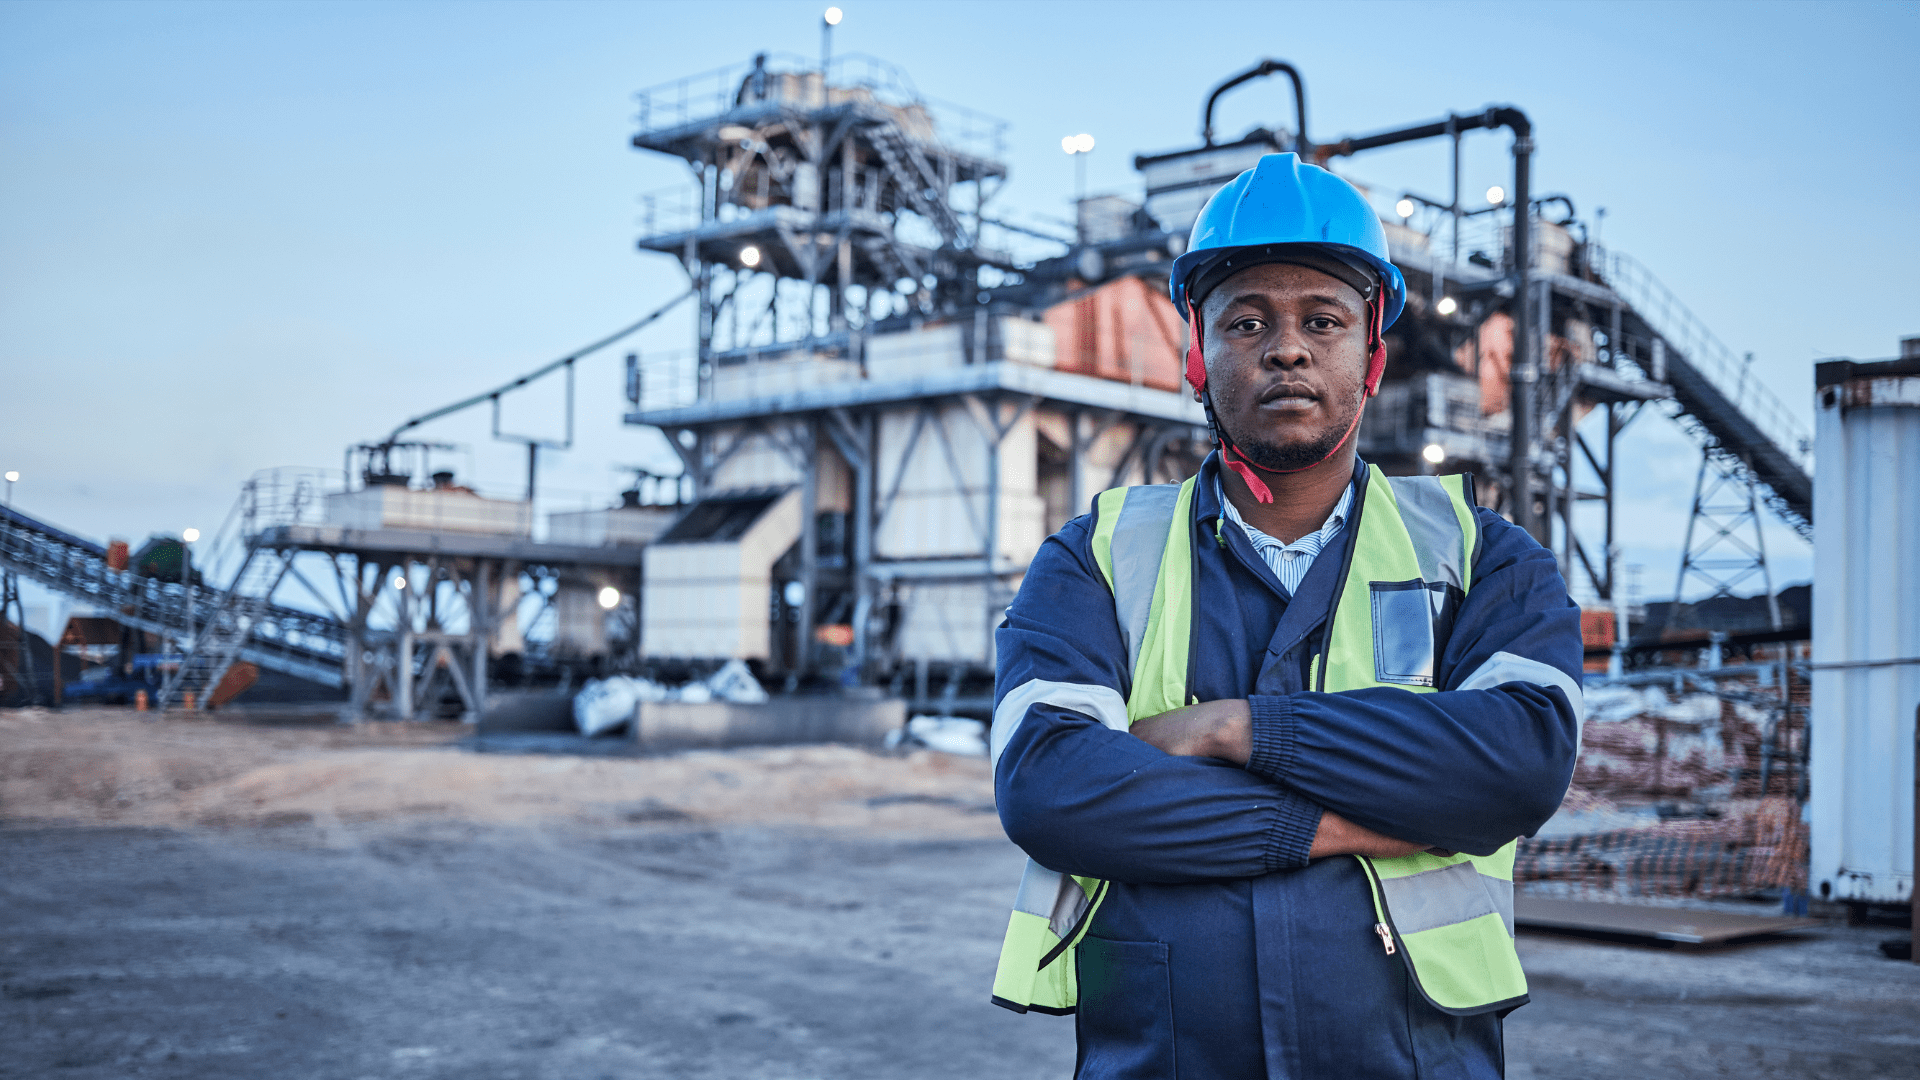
pixel 1230 455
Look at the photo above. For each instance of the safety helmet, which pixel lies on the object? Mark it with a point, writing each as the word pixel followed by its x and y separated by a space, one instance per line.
pixel 1282 200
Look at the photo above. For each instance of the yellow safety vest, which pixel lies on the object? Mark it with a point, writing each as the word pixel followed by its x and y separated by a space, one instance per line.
pixel 1413 544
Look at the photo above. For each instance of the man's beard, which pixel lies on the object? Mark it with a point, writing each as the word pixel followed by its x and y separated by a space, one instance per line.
pixel 1278 458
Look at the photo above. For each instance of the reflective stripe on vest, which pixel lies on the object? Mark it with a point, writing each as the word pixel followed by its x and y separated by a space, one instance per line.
pixel 1409 564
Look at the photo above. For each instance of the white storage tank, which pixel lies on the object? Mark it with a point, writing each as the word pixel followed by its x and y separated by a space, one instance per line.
pixel 1866 628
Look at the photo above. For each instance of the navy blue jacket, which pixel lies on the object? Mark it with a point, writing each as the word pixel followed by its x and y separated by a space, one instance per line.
pixel 1221 950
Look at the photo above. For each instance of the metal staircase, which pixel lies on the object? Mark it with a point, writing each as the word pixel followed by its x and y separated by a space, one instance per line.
pixel 1735 418
pixel 918 180
pixel 243 621
pixel 246 603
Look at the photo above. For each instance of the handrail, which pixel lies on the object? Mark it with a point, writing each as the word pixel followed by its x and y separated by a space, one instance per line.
pixel 1684 331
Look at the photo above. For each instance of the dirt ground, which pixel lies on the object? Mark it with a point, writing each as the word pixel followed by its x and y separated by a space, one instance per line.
pixel 213 899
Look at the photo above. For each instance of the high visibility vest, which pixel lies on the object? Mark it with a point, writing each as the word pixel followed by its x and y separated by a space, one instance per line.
pixel 1409 564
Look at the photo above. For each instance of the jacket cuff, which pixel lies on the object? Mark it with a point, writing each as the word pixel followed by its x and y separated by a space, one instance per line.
pixel 1294 828
pixel 1273 738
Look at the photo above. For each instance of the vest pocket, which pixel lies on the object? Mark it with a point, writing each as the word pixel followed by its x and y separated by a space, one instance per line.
pixel 1125 1022
pixel 1407 621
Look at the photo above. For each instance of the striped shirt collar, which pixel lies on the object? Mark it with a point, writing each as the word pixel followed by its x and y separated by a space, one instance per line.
pixel 1289 562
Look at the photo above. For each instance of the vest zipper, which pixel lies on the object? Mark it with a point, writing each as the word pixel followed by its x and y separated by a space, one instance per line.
pixel 1389 940
pixel 1384 927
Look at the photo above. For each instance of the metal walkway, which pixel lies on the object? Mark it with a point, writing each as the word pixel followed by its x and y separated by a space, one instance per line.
pixel 226 624
pixel 1733 415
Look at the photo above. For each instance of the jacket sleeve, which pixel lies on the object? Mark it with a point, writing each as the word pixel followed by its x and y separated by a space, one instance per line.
pixel 1485 760
pixel 1081 795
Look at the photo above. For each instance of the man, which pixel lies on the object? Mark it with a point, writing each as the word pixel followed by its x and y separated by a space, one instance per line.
pixel 1268 736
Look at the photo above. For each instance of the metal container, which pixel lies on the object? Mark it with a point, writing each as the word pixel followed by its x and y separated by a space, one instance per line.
pixel 389 506
pixel 1866 629
pixel 1125 330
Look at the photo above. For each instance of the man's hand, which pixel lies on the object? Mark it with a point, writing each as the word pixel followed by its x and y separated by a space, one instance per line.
pixel 1216 729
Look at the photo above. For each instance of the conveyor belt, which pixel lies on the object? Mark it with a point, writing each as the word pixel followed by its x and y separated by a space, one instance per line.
pixel 283 639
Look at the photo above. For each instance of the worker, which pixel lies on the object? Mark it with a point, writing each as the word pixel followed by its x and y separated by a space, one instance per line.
pixel 1268 736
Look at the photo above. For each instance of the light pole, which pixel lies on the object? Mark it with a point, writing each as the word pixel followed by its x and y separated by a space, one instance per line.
pixel 828 20
pixel 187 537
pixel 11 605
pixel 1078 147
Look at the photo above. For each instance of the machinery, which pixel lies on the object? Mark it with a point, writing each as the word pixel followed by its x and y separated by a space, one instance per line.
pixel 905 412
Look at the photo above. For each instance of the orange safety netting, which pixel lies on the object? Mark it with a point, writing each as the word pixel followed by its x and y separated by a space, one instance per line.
pixel 1760 847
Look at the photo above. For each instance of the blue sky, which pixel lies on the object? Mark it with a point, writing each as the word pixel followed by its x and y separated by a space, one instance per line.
pixel 238 236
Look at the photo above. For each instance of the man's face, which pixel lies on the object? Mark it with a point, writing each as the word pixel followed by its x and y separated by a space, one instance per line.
pixel 1286 354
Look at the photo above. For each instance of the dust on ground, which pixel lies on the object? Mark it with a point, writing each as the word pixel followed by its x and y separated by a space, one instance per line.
pixel 211 900
pixel 116 767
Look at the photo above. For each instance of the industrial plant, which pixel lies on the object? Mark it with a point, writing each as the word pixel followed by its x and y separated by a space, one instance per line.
pixel 896 392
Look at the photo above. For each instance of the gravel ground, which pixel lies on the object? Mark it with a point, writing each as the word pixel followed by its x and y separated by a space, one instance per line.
pixel 320 904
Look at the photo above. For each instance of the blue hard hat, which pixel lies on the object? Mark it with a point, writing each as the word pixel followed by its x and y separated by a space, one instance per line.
pixel 1279 201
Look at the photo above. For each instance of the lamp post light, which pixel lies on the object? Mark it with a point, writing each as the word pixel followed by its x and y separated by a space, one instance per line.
pixel 12 475
pixel 1078 147
pixel 187 537
pixel 829 19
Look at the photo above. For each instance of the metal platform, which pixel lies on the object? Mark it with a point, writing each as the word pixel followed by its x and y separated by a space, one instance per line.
pixel 452 545
pixel 999 376
pixel 1685 926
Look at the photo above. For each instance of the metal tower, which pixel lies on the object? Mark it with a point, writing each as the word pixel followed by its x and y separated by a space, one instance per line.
pixel 823 204
pixel 1726 505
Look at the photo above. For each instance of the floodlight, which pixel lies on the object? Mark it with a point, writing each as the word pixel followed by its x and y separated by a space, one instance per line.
pixel 1404 208
pixel 12 476
pixel 610 596
pixel 1446 306
pixel 833 16
pixel 1496 195
pixel 190 535
pixel 749 256
pixel 1434 453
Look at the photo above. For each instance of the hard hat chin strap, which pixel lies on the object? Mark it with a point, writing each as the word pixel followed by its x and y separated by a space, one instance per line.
pixel 1231 455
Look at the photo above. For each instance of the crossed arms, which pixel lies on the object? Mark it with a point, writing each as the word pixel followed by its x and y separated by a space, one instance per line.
pixel 1245 786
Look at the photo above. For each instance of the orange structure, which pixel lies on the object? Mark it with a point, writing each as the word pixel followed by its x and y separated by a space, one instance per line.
pixel 1125 330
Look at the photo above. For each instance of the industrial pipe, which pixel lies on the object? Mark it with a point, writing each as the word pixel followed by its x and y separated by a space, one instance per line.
pixel 1258 71
pixel 1525 370
pixel 565 361
pixel 1563 200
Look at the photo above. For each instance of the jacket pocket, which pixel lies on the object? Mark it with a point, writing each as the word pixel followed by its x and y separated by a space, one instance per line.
pixel 1125 1021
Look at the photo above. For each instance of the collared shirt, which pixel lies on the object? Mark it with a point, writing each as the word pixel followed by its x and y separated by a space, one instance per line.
pixel 1290 562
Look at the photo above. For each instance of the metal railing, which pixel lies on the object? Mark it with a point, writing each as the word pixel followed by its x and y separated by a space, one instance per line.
pixel 701 98
pixel 666 380
pixel 1685 333
pixel 282 638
